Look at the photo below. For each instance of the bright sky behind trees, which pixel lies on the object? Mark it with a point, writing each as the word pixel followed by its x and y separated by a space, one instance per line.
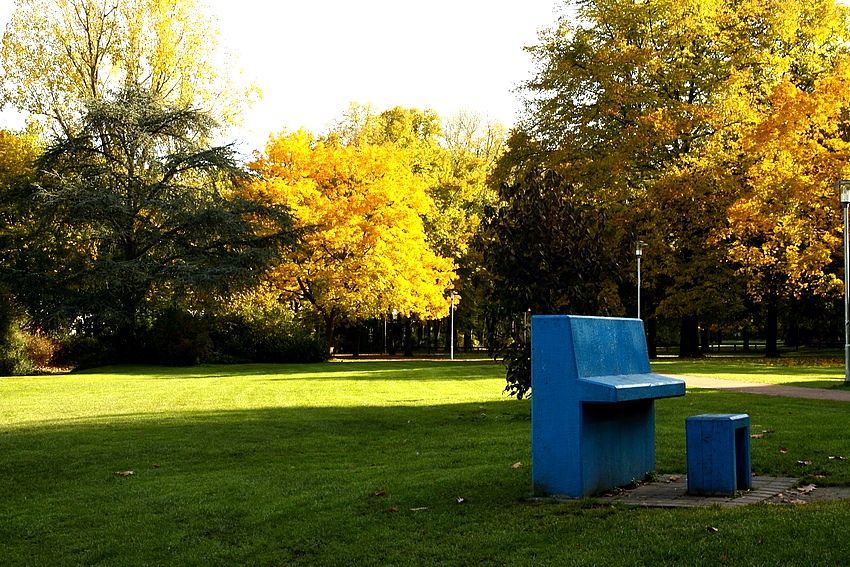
pixel 311 59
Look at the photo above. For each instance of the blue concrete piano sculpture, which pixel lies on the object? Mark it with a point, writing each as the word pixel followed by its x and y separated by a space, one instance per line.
pixel 593 396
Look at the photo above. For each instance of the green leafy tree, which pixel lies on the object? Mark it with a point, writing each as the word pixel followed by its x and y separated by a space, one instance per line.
pixel 18 153
pixel 546 253
pixel 136 211
pixel 644 106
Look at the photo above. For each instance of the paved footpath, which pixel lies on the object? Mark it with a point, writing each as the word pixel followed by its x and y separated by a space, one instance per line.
pixel 670 491
pixel 765 389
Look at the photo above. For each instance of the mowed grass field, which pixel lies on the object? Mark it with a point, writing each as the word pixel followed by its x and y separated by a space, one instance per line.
pixel 806 371
pixel 367 463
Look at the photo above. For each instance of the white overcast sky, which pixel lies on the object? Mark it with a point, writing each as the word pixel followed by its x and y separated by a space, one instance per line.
pixel 312 58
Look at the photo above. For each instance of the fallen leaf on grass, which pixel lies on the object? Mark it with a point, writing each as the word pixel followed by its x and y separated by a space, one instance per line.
pixel 806 489
pixel 819 475
pixel 768 431
pixel 783 450
pixel 516 465
pixel 418 509
pixel 391 510
pixel 757 436
pixel 460 500
pixel 379 493
pixel 804 463
pixel 124 473
pixel 711 529
pixel 675 478
pixel 833 457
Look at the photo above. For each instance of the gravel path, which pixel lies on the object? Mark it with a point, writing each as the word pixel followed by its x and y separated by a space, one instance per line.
pixel 766 389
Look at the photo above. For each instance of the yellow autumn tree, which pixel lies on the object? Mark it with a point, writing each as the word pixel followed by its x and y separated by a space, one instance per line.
pixel 452 158
pixel 364 252
pixel 784 229
pixel 57 54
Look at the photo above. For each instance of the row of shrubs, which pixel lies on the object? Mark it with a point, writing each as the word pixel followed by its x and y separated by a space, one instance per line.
pixel 176 337
pixel 181 338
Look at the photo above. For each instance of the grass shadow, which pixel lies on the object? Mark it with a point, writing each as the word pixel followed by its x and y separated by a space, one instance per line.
pixel 340 485
pixel 426 370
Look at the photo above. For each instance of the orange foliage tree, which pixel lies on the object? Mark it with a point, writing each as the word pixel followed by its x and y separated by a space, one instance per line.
pixel 785 228
pixel 364 251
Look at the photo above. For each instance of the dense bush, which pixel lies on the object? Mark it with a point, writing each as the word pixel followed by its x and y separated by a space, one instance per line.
pixel 78 351
pixel 40 349
pixel 240 339
pixel 176 337
pixel 14 360
pixel 179 337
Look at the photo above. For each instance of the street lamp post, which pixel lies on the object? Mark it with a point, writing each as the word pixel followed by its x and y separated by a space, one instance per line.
pixel 639 246
pixel 844 191
pixel 452 328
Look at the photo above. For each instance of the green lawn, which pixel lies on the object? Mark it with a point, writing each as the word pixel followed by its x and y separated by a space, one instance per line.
pixel 366 463
pixel 811 372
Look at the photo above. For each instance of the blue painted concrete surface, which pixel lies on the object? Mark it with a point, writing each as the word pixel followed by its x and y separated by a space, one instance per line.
pixel 718 448
pixel 593 412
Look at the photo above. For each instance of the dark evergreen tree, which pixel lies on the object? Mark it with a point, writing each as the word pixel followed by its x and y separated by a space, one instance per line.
pixel 137 209
pixel 545 252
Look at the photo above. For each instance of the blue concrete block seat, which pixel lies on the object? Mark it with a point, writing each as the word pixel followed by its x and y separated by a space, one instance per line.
pixel 593 412
pixel 718 448
pixel 628 387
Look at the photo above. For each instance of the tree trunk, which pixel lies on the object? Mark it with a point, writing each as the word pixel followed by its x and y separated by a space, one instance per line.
pixel 490 330
pixel 329 331
pixel 126 340
pixel 391 335
pixel 705 340
pixel 745 336
pixel 689 337
pixel 408 336
pixel 771 331
pixel 126 348
pixel 358 331
pixel 652 336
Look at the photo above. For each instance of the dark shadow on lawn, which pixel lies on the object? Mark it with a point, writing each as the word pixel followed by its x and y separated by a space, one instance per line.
pixel 288 462
pixel 349 485
pixel 360 370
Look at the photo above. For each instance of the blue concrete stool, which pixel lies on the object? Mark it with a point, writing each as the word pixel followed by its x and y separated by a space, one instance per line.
pixel 718 453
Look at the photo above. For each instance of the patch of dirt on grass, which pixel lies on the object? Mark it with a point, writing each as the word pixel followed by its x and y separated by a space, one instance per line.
pixel 810 493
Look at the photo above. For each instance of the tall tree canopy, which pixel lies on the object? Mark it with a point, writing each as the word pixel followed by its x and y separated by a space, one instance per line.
pixel 782 229
pixel 58 54
pixel 452 158
pixel 137 209
pixel 647 106
pixel 546 253
pixel 18 153
pixel 364 252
